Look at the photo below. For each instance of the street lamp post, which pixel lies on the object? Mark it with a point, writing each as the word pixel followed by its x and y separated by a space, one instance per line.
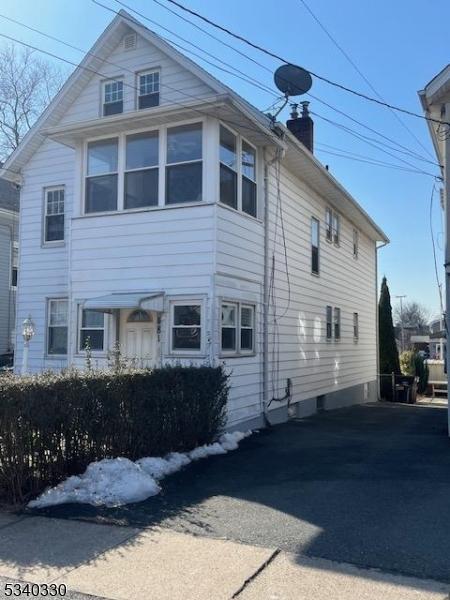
pixel 28 331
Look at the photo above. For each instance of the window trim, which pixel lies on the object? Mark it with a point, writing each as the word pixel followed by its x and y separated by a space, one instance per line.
pixel 332 233
pixel 315 221
pixel 187 301
pixel 355 327
pixel 329 323
pixel 52 243
pixel 337 322
pixel 355 243
pixel 138 94
pixel 239 352
pixel 240 139
pixel 82 351
pixel 13 247
pixel 103 84
pixel 48 301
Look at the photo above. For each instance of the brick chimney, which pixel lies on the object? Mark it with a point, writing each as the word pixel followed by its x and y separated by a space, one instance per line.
pixel 302 127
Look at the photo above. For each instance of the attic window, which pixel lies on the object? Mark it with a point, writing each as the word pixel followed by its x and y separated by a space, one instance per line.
pixel 112 97
pixel 148 89
pixel 129 41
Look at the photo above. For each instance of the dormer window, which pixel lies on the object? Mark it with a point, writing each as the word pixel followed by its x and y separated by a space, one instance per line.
pixel 112 97
pixel 148 89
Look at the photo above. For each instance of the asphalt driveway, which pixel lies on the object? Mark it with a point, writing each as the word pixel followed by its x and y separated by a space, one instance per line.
pixel 368 485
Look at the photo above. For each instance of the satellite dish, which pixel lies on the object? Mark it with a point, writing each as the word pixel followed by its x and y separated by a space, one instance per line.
pixel 292 80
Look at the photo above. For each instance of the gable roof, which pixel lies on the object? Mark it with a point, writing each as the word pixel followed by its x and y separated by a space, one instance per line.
pixel 92 63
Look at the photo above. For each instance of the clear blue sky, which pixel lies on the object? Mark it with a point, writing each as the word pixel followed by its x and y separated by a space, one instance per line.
pixel 399 46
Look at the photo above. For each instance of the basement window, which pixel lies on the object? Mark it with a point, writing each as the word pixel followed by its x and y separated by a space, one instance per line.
pixel 112 97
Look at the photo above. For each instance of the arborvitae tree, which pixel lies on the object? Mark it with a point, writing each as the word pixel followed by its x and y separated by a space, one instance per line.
pixel 389 361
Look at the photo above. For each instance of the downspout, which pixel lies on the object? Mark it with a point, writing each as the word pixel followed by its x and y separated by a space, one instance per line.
pixel 377 333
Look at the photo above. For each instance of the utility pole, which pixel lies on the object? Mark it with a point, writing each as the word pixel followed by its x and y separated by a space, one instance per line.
pixel 401 320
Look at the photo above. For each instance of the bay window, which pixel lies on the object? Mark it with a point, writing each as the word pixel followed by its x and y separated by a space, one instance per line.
pixel 102 173
pixel 184 168
pixel 57 319
pixel 228 168
pixel 141 174
pixel 92 330
pixel 237 177
pixel 237 328
pixel 186 327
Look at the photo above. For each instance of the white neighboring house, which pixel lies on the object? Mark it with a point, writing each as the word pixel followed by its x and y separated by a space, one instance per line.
pixel 161 210
pixel 9 248
pixel 435 99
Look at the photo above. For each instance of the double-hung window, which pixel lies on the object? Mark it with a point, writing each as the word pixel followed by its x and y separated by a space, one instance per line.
pixel 237 177
pixel 57 319
pixel 14 264
pixel 101 179
pixel 237 328
pixel 315 227
pixel 228 168
pixel 148 89
pixel 92 330
pixel 355 326
pixel 184 167
pixel 355 243
pixel 141 175
pixel 337 323
pixel 54 215
pixel 248 156
pixel 329 322
pixel 332 226
pixel 112 97
pixel 186 327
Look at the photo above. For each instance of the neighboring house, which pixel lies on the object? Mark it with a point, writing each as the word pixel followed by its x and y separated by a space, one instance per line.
pixel 435 99
pixel 438 339
pixel 162 211
pixel 9 234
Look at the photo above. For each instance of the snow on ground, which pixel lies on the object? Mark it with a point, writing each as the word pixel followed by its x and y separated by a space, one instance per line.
pixel 118 481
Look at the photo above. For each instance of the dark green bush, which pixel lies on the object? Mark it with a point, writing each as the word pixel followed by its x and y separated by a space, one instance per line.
pixel 53 425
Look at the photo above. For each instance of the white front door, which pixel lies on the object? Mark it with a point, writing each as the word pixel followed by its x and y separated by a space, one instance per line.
pixel 140 344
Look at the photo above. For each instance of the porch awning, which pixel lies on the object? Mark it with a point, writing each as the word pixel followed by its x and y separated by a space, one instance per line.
pixel 146 300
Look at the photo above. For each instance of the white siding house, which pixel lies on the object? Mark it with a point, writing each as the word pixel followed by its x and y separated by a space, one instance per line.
pixel 163 213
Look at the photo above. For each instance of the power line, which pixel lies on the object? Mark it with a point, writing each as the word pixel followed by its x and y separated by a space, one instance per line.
pixel 374 162
pixel 284 60
pixel 361 74
pixel 239 74
pixel 439 285
pixel 374 144
pixel 407 150
pixel 257 83
pixel 135 88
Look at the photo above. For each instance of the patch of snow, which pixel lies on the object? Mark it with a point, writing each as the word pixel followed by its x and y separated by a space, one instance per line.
pixel 118 481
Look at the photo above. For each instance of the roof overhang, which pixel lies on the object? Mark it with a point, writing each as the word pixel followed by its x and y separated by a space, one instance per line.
pixel 145 300
pixel 301 162
pixel 221 107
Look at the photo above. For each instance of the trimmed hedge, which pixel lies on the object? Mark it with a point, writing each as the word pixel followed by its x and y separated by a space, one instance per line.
pixel 53 425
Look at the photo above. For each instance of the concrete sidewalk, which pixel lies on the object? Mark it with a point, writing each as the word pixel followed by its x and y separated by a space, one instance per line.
pixel 121 563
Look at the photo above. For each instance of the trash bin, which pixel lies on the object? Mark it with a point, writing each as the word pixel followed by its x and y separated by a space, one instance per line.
pixel 405 389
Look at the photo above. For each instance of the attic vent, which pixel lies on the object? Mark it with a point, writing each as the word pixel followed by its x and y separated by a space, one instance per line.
pixel 129 41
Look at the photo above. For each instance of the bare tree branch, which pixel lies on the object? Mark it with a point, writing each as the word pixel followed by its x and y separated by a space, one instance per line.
pixel 27 85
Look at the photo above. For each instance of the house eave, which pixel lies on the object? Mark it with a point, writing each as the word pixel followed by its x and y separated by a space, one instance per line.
pixel 307 167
